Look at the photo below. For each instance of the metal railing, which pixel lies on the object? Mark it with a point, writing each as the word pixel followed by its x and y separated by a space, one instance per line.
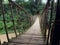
pixel 13 6
pixel 47 26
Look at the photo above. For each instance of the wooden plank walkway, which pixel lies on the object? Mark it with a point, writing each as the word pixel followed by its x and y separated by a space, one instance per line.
pixel 32 36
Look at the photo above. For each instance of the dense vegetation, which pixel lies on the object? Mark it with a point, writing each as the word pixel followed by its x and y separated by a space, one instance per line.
pixel 22 20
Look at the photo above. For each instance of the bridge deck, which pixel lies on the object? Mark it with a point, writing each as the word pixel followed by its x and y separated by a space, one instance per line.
pixel 32 36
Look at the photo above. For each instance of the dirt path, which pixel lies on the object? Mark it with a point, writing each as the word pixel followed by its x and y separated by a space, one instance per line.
pixel 4 38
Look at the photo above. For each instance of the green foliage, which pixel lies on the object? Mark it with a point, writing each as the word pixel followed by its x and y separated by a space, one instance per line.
pixel 21 20
pixel 1 25
pixel 32 6
pixel 9 24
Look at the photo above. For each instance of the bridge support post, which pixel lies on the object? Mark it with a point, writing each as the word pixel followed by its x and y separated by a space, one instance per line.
pixel 4 21
pixel 56 32
pixel 13 19
pixel 18 21
pixel 0 42
pixel 49 31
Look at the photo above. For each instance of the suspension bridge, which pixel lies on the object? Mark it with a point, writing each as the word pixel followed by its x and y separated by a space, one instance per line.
pixel 40 32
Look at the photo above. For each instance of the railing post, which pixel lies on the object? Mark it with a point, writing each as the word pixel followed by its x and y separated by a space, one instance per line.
pixel 56 32
pixel 49 31
pixel 30 20
pixel 45 25
pixel 13 19
pixel 18 17
pixel 3 12
pixel 0 42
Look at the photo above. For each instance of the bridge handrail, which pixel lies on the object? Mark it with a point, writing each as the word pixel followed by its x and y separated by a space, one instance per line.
pixel 44 22
pixel 11 3
pixel 18 6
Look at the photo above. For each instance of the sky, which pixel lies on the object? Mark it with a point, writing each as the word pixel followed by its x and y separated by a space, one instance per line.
pixel 44 1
